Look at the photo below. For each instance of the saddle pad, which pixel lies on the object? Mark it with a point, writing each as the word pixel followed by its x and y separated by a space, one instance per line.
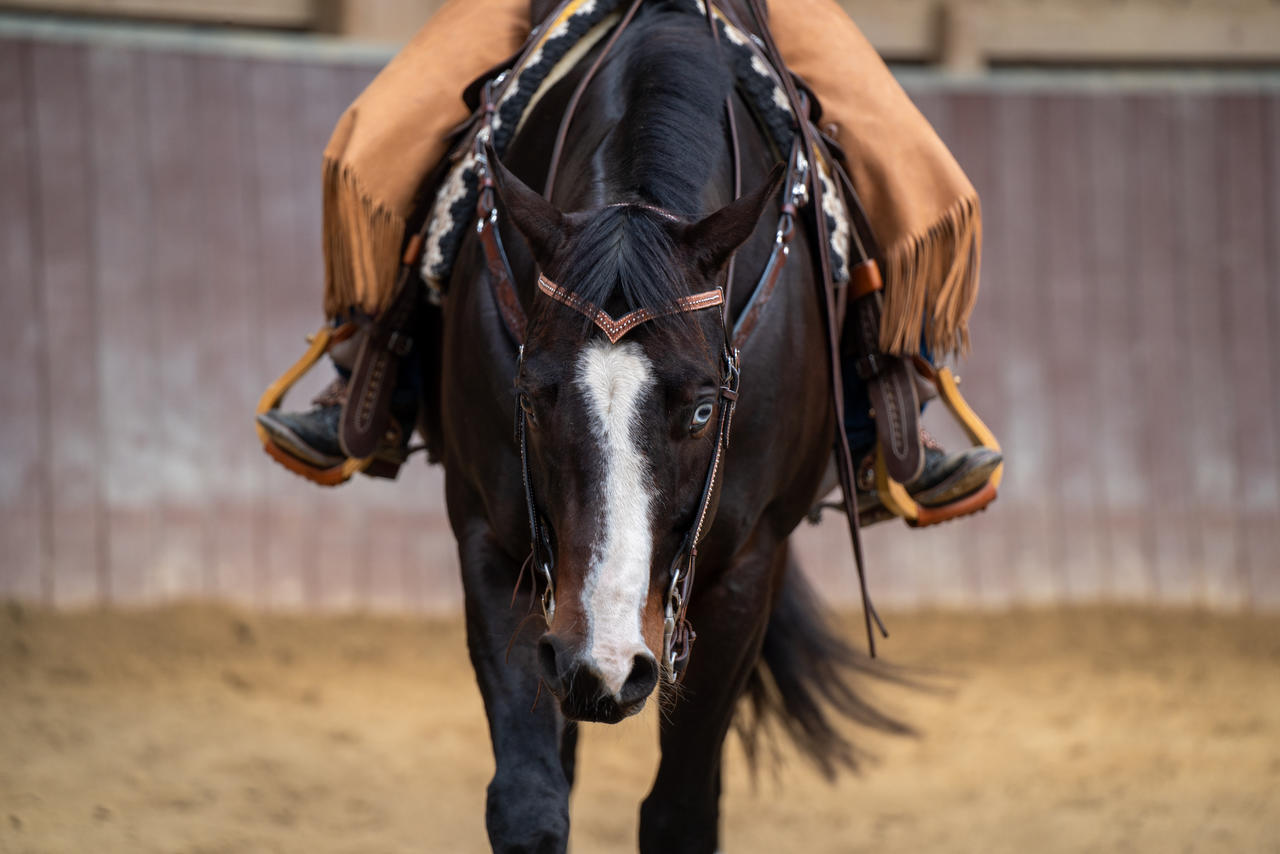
pixel 564 43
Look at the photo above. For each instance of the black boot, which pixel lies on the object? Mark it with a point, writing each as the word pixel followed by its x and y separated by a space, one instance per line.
pixel 947 477
pixel 311 436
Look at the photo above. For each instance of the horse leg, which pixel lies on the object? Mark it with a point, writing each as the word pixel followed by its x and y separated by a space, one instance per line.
pixel 681 813
pixel 527 809
pixel 569 750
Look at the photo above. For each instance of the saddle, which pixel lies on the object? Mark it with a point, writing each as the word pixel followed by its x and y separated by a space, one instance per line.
pixel 845 248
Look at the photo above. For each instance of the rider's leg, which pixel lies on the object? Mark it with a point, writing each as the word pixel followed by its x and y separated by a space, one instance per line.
pixel 384 145
pixel 312 435
pixel 922 209
pixel 393 135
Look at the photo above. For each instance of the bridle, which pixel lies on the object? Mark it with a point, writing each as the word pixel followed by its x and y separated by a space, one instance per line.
pixel 678 633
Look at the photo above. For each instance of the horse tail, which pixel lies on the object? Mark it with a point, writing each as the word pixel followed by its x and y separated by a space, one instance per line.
pixel 805 681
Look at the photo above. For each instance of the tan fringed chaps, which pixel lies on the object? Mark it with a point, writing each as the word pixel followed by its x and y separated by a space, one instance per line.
pixel 923 210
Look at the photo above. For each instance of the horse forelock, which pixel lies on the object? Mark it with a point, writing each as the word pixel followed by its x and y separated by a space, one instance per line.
pixel 623 259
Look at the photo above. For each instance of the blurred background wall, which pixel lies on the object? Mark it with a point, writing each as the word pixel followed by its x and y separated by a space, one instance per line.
pixel 160 264
pixel 962 34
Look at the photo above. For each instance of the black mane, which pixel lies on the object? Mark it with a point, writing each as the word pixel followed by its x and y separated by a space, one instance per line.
pixel 661 152
pixel 672 132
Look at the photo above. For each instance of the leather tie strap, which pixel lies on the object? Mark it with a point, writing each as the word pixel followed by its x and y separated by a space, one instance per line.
pixel 367 414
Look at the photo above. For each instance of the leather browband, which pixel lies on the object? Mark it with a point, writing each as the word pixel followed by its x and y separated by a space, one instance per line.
pixel 617 328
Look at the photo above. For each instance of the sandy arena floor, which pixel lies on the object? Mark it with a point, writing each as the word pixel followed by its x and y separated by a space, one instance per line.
pixel 199 729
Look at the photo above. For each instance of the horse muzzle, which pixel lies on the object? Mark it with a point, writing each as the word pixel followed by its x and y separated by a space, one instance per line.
pixel 586 691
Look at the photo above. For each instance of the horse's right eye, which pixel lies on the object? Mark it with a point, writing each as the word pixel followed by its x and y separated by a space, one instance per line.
pixel 701 418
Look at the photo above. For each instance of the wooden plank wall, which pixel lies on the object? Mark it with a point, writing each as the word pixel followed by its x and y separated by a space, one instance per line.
pixel 159 264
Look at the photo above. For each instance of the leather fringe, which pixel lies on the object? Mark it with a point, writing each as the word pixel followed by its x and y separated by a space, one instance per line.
pixel 931 284
pixel 362 242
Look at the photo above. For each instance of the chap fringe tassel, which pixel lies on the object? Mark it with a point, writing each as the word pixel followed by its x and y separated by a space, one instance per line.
pixel 362 241
pixel 933 278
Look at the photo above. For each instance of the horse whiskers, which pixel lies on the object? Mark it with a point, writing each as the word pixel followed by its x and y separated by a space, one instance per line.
pixel 515 634
pixel 536 697
pixel 669 695
pixel 519 578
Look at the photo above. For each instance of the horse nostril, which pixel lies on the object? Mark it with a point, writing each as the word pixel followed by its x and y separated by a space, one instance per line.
pixel 643 678
pixel 547 662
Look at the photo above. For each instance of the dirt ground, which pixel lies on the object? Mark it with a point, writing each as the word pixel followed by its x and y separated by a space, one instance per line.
pixel 201 729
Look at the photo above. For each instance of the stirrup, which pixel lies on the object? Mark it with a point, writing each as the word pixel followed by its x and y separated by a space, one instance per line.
pixel 894 495
pixel 271 399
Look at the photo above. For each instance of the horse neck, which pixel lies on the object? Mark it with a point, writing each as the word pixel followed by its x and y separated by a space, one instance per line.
pixel 650 127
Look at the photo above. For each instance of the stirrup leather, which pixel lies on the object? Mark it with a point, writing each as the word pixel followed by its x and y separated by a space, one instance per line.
pixel 271 399
pixel 894 495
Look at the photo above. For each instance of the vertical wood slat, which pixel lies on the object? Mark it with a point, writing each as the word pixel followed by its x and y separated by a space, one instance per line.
pixel 984 540
pixel 77 565
pixel 25 531
pixel 128 357
pixel 1117 429
pixel 1266 580
pixel 1244 240
pixel 1157 355
pixel 226 366
pixel 1030 507
pixel 170 144
pixel 1067 352
pixel 1208 417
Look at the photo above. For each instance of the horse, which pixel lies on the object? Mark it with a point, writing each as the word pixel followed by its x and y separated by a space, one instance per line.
pixel 613 440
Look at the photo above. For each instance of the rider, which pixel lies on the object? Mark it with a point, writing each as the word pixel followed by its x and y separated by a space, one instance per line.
pixel 921 207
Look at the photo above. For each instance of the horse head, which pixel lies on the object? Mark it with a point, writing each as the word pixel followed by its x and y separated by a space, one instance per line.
pixel 620 424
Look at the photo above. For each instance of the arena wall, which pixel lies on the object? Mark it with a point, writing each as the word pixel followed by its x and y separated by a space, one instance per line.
pixel 160 264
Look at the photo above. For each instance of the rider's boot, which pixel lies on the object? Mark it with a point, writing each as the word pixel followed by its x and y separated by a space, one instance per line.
pixel 947 477
pixel 313 436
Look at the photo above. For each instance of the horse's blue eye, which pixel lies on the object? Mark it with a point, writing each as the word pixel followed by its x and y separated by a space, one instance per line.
pixel 702 415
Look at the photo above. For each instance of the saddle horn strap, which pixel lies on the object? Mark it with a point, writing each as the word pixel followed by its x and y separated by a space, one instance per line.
pixel 320 342
pixel 616 328
pixel 895 496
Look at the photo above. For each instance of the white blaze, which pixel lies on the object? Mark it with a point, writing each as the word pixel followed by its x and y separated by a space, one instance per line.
pixel 614 379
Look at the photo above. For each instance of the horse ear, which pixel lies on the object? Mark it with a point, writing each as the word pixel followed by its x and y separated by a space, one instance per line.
pixel 536 218
pixel 715 238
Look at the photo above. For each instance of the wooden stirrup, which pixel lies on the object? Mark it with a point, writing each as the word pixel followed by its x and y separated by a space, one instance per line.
pixel 894 495
pixel 271 399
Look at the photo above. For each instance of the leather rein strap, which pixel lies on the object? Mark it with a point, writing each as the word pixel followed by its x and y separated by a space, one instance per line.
pixel 844 456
